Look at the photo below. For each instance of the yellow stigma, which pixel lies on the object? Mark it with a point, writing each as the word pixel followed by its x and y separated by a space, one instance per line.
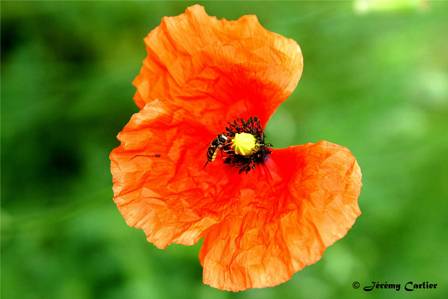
pixel 244 144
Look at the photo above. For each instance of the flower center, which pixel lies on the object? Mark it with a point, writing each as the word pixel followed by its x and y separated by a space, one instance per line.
pixel 244 144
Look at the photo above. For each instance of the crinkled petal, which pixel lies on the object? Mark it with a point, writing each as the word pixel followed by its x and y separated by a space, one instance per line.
pixel 231 68
pixel 288 212
pixel 160 181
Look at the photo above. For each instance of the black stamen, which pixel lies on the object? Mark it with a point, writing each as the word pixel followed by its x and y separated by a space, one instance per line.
pixel 245 163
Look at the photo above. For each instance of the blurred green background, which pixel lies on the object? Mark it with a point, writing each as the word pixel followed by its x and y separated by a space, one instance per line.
pixel 375 80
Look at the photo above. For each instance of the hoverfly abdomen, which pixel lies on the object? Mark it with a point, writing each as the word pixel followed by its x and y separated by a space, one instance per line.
pixel 215 146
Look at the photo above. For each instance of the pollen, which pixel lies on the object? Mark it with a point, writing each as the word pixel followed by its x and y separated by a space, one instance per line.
pixel 244 144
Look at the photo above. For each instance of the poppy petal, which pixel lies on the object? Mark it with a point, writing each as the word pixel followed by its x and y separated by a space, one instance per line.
pixel 289 212
pixel 234 68
pixel 160 183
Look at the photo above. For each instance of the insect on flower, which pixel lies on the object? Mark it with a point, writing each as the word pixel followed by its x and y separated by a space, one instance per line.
pixel 242 143
pixel 216 144
pixel 205 92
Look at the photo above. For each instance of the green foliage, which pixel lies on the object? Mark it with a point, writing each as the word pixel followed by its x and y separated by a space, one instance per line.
pixel 374 82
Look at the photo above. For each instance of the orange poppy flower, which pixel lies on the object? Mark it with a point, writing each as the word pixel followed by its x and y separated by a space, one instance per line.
pixel 193 162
